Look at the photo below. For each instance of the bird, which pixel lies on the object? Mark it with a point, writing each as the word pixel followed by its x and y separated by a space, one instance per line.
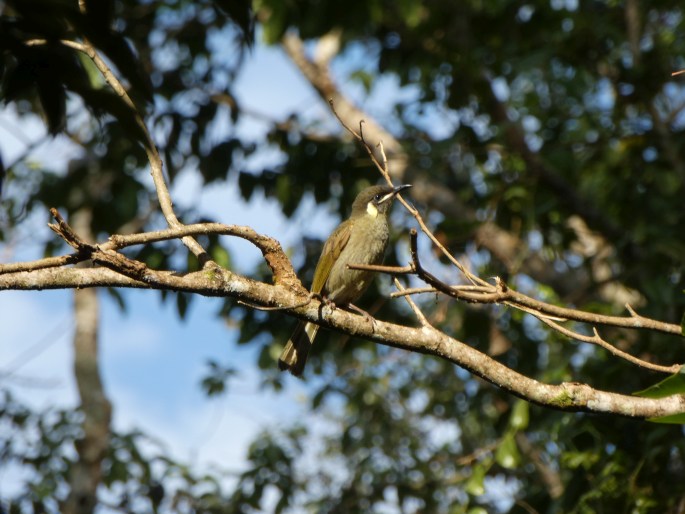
pixel 360 239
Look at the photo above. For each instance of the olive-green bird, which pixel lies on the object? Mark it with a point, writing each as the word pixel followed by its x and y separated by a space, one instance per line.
pixel 361 239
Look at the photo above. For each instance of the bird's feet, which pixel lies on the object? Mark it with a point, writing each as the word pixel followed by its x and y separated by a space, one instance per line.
pixel 366 315
pixel 327 302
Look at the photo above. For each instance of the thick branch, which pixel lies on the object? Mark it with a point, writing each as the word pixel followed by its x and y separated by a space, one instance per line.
pixel 223 283
pixel 270 248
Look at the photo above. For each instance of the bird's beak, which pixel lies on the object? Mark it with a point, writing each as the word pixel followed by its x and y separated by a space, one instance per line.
pixel 400 188
pixel 394 192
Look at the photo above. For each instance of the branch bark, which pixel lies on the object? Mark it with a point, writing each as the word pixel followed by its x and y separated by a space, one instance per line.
pixel 113 269
pixel 289 296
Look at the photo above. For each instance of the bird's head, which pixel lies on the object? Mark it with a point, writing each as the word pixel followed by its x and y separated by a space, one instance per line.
pixel 376 200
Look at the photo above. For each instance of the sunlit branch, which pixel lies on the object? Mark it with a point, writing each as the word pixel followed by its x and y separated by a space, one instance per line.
pixel 485 293
pixel 412 305
pixel 113 269
pixel 154 158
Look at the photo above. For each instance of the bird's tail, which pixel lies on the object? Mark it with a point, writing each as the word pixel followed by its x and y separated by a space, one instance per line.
pixel 294 355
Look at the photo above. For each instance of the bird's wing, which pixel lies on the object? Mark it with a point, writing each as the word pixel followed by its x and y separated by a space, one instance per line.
pixel 331 251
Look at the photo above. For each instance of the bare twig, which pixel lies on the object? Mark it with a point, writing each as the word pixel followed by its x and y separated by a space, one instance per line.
pixel 379 268
pixel 501 293
pixel 413 290
pixel 383 168
pixel 494 294
pixel 63 229
pixel 48 262
pixel 412 305
pixel 154 158
pixel 432 290
pixel 597 340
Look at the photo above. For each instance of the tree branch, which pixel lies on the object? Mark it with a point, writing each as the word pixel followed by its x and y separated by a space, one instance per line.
pixel 505 246
pixel 483 292
pixel 124 272
pixel 154 158
pixel 317 72
pixel 500 293
pixel 270 248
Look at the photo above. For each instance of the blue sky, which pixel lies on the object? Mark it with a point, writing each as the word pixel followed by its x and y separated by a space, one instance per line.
pixel 152 362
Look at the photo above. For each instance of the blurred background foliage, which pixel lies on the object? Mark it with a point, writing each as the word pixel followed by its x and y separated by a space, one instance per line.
pixel 545 142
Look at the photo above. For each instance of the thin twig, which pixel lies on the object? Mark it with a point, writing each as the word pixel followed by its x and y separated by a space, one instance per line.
pixel 47 262
pixel 154 158
pixel 413 290
pixel 63 229
pixel 412 305
pixel 383 169
pixel 597 340
pixel 379 268
pixel 496 294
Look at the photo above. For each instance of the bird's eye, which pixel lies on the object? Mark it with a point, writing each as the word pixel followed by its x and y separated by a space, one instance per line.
pixel 378 197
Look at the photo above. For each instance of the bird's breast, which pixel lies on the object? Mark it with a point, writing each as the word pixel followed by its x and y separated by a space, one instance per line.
pixel 367 245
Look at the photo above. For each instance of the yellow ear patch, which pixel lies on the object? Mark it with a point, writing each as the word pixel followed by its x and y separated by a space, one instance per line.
pixel 372 209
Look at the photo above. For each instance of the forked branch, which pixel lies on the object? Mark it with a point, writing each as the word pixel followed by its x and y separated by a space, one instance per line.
pixel 287 294
pixel 482 292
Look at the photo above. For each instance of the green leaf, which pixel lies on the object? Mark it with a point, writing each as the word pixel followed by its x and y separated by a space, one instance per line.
pixel 118 298
pixel 216 382
pixel 475 485
pixel 182 302
pixel 682 324
pixel 674 419
pixel 675 384
pixel 519 415
pixel 507 454
pixel 575 460
pixel 412 12
pixel 216 164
